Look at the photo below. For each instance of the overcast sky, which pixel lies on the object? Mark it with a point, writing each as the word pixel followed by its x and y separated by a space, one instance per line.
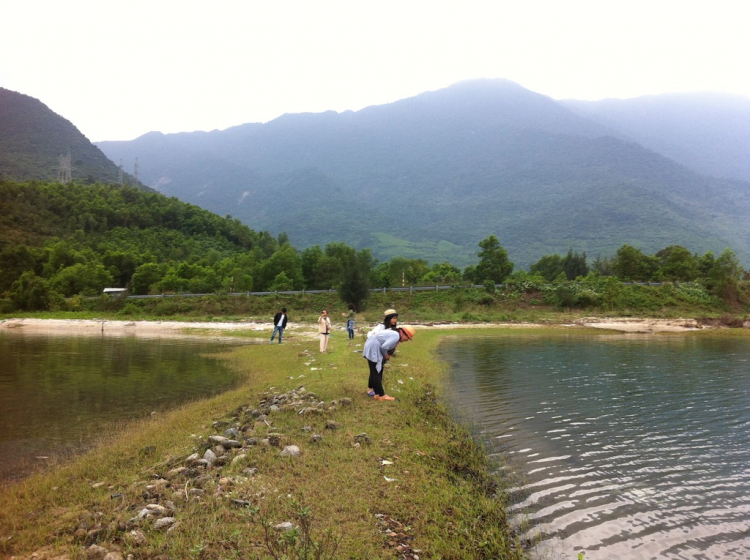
pixel 120 68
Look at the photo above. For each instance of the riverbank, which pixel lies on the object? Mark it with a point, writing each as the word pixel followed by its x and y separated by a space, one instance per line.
pixel 260 328
pixel 370 480
pixel 297 460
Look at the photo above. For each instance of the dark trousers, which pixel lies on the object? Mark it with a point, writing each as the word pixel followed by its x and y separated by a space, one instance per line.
pixel 376 378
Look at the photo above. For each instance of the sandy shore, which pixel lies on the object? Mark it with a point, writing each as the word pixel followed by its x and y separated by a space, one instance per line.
pixel 150 329
pixel 157 329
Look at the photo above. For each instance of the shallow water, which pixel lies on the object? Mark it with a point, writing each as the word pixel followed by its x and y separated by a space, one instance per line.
pixel 631 446
pixel 57 393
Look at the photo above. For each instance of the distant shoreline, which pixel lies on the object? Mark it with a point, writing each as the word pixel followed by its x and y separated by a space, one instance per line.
pixel 157 329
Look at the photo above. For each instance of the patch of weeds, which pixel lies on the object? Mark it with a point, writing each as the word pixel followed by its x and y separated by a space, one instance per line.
pixel 295 540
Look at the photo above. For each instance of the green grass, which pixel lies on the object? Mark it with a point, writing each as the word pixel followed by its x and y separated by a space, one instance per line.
pixel 441 498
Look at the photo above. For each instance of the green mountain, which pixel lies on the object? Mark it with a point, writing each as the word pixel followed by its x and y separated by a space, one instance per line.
pixel 33 138
pixel 432 175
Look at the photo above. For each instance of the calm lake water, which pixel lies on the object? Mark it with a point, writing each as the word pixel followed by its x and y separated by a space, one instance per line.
pixel 629 446
pixel 57 393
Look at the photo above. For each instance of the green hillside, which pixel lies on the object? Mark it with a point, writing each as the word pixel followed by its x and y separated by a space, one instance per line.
pixel 430 176
pixel 77 239
pixel 32 139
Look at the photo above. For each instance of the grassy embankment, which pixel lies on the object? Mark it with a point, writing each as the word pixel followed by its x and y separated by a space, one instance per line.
pixel 416 480
pixel 458 305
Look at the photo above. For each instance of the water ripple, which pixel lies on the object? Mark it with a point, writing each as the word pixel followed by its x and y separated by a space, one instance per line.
pixel 630 448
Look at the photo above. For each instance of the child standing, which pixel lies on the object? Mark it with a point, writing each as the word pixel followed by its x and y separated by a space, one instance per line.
pixel 350 321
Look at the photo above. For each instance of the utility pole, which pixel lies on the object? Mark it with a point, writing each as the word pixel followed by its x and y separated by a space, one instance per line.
pixel 64 171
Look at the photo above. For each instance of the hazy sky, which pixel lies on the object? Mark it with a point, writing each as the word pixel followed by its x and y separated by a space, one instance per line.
pixel 118 69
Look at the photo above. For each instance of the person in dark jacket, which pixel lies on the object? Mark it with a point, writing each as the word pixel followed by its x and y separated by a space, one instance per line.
pixel 279 324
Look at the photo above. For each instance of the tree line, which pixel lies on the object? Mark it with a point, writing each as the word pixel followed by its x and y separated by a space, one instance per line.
pixel 60 241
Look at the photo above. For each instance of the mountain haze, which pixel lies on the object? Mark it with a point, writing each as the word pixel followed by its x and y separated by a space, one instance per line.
pixel 707 132
pixel 431 176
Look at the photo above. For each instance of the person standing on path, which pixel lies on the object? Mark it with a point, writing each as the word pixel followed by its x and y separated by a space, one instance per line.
pixel 324 329
pixel 279 324
pixel 350 321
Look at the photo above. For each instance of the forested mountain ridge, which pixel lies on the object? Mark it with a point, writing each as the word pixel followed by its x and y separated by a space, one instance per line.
pixel 427 177
pixel 33 137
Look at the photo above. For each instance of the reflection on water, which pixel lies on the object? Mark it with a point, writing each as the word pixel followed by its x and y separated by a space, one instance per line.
pixel 57 392
pixel 632 446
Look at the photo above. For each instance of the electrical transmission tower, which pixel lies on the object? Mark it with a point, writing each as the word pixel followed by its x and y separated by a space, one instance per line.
pixel 135 173
pixel 64 171
pixel 120 173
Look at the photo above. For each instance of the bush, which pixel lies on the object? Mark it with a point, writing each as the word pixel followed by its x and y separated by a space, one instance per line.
pixel 486 299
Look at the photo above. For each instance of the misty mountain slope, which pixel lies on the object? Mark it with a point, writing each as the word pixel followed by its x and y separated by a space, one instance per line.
pixel 33 137
pixel 432 175
pixel 707 132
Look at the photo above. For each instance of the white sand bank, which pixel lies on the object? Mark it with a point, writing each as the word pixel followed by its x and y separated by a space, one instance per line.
pixel 179 328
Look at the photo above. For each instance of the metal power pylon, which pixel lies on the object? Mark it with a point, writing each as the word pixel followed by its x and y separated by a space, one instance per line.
pixel 64 173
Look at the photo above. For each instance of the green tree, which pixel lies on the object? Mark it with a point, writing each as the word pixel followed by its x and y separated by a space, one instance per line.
pixel 724 277
pixel 705 264
pixel 282 283
pixel 238 280
pixel 677 264
pixel 354 287
pixel 574 265
pixel 171 283
pixel 144 277
pixel 85 279
pixel 122 266
pixel 311 265
pixel 442 273
pixel 284 260
pixel 548 267
pixel 62 254
pixel 470 274
pixel 494 265
pixel 631 265
pixel 603 266
pixel 14 261
pixel 31 293
pixel 206 282
pixel 406 272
